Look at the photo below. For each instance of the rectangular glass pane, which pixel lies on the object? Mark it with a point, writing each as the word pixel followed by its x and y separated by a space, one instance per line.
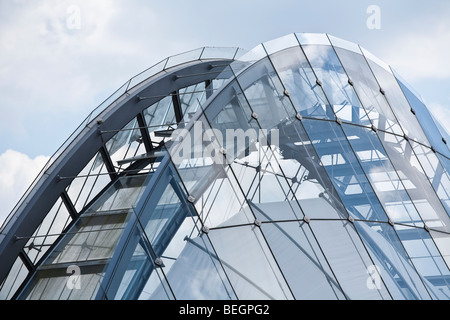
pixel 391 260
pixel 299 80
pixel 281 43
pixel 239 250
pixel 426 120
pixel 368 91
pixel 51 227
pixel 126 143
pixel 313 38
pixel 348 259
pixel 205 173
pixel 437 173
pixel 301 261
pixel 382 175
pixel 141 280
pixel 183 57
pixel 344 170
pixel 414 180
pixel 340 93
pixel 427 260
pixel 398 103
pixel 89 182
pixel 11 283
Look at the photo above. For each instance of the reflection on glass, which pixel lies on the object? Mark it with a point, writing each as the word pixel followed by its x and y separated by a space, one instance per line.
pixel 281 43
pixel 389 256
pixel 426 120
pixel 381 174
pixel 368 91
pixel 88 245
pixel 438 175
pixel 300 82
pixel 339 91
pixel 240 249
pixel 344 170
pixel 398 103
pixel 339 239
pixel 427 260
pixel 301 261
pixel 89 182
pixel 127 143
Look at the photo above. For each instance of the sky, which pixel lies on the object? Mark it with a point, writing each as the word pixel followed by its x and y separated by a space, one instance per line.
pixel 59 59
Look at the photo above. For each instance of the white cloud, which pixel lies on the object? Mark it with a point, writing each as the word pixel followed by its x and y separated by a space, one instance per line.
pixel 441 114
pixel 48 69
pixel 422 55
pixel 17 172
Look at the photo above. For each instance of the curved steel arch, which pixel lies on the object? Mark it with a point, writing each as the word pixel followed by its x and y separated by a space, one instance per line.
pixel 92 138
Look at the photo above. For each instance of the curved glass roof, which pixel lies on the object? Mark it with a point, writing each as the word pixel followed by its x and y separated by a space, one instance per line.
pixel 304 169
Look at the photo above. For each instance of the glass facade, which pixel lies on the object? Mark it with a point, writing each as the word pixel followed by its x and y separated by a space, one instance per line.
pixel 302 169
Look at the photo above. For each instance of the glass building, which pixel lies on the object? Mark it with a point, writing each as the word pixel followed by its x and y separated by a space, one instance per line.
pixel 304 168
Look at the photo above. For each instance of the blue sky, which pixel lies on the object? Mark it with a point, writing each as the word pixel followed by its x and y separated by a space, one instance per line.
pixel 59 59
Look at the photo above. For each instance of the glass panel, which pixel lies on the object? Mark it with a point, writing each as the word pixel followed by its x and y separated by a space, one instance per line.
pixel 183 57
pixel 240 249
pixel 344 170
pixel 140 77
pixel 127 143
pixel 312 38
pixel 191 99
pixel 374 59
pixel 368 91
pixel 339 91
pixel 427 260
pixel 414 180
pixel 264 93
pixel 121 196
pixel 344 44
pixel 281 43
pixel 89 182
pixel 14 279
pixel 426 120
pixel 223 203
pixel 398 103
pixel 300 82
pixel 266 188
pixel 444 132
pixel 216 52
pixel 160 117
pixel 51 227
pixel 196 273
pixel 91 238
pixel 57 284
pixel 349 260
pixel 437 174
pixel 204 174
pixel 382 176
pixel 306 175
pixel 396 270
pixel 248 59
pixel 142 280
pixel 442 241
pixel 301 261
